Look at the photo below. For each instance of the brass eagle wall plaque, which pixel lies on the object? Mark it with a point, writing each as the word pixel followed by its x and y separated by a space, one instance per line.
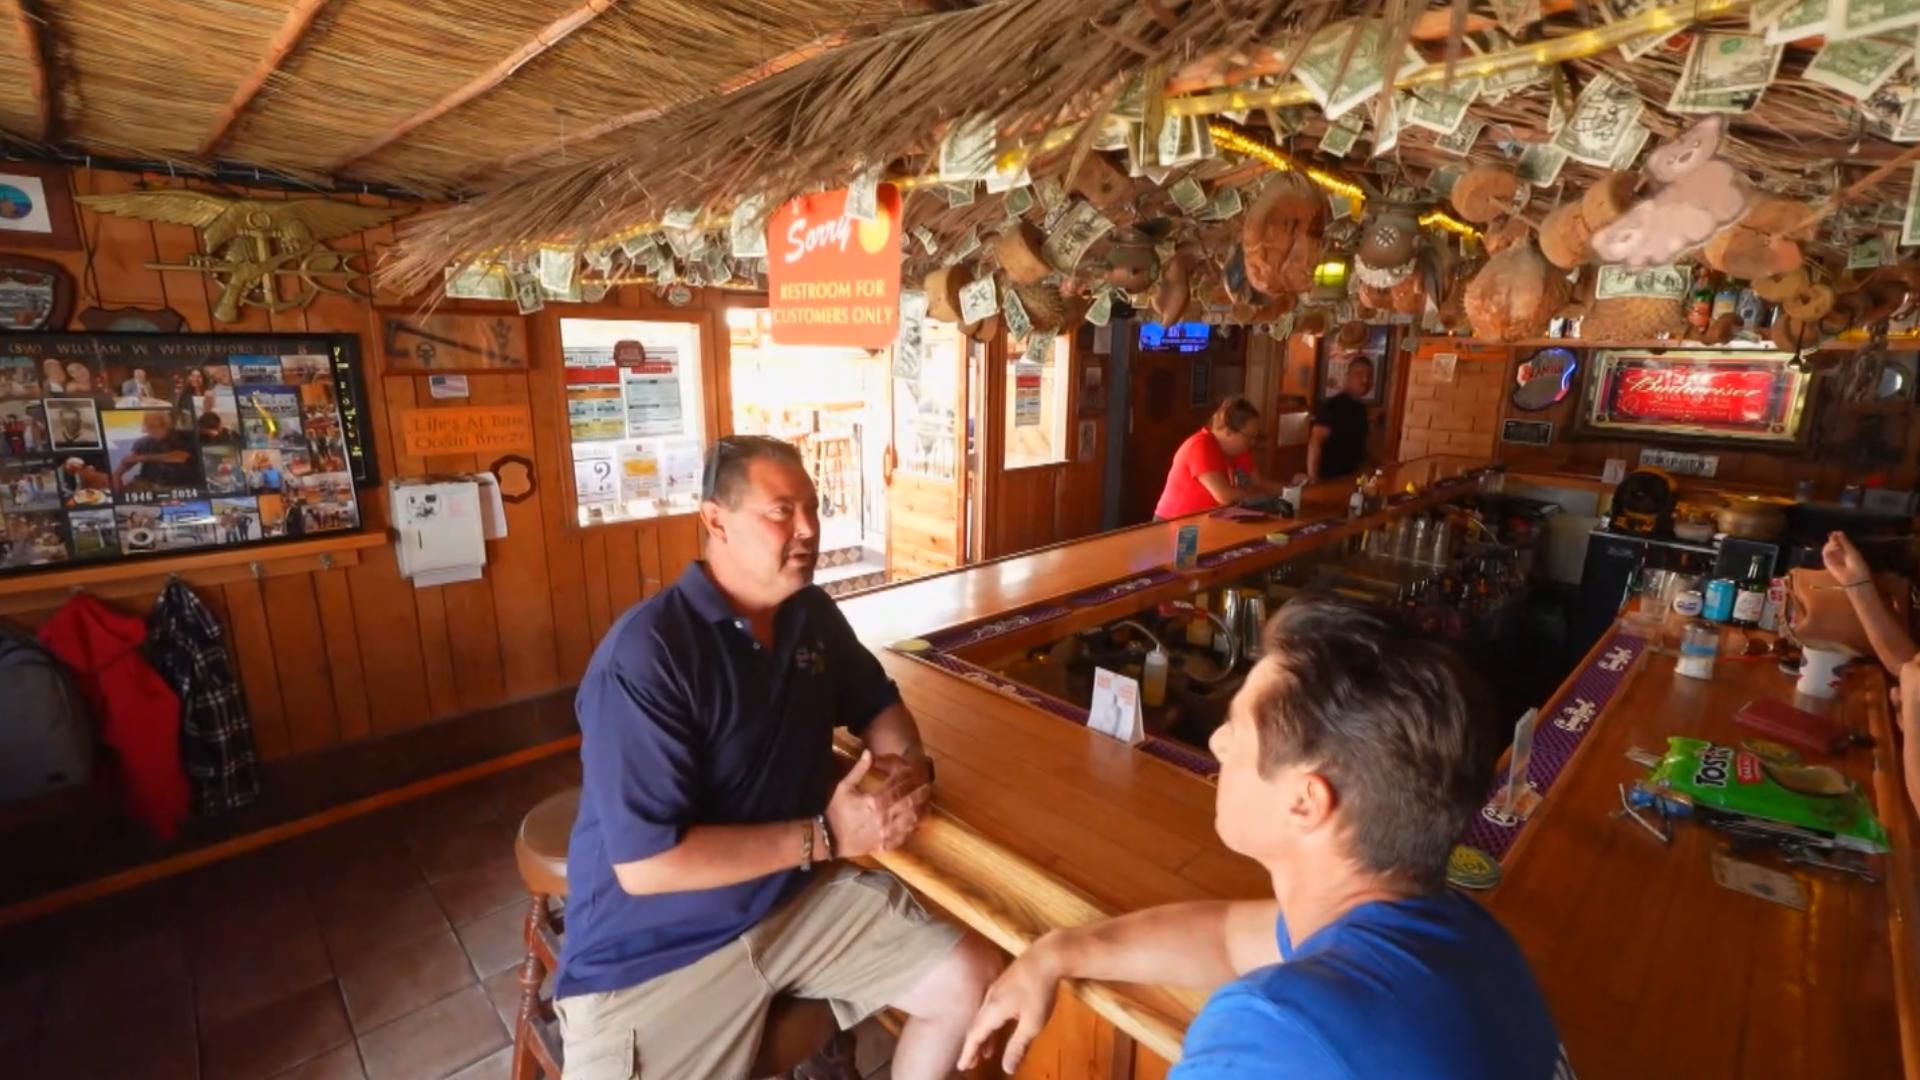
pixel 264 253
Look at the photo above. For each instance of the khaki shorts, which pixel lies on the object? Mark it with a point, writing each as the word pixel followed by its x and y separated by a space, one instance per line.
pixel 853 937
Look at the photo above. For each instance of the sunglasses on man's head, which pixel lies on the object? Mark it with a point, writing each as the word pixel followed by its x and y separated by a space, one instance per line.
pixel 722 447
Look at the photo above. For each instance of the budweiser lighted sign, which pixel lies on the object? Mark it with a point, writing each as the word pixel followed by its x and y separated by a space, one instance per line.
pixel 1732 396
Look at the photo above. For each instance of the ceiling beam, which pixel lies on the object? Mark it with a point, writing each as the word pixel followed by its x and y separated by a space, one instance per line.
pixel 767 70
pixel 293 27
pixel 549 36
pixel 39 78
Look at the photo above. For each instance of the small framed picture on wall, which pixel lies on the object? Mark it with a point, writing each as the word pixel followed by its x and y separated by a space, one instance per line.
pixel 36 209
pixel 1200 385
pixel 1367 345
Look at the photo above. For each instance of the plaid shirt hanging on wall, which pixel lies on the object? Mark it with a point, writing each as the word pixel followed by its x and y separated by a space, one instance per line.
pixel 216 738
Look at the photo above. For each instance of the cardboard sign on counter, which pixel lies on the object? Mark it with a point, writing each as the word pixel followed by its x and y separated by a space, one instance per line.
pixel 1116 707
pixel 472 429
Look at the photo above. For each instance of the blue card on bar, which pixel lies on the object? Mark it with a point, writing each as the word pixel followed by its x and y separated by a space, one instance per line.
pixel 1186 552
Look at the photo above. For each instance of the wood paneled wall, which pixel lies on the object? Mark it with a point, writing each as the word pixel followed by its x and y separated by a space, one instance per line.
pixel 330 656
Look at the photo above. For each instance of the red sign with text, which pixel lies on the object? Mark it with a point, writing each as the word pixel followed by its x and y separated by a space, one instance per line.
pixel 1757 398
pixel 1697 396
pixel 834 280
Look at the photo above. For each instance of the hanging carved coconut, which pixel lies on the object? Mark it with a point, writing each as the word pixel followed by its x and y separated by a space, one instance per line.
pixel 1810 304
pixel 1515 295
pixel 1133 260
pixel 1608 201
pixel 1388 247
pixel 1283 234
pixel 1793 334
pixel 1410 296
pixel 1634 318
pixel 1566 236
pixel 943 292
pixel 1485 192
pixel 1374 297
pixel 1565 240
pixel 1778 287
pixel 1103 184
pixel 1046 308
pixel 983 331
pixel 1452 309
pixel 1313 322
pixel 1019 252
pixel 1174 289
pixel 1503 235
pixel 1759 243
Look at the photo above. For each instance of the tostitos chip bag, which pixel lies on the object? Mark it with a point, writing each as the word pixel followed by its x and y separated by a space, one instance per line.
pixel 1739 781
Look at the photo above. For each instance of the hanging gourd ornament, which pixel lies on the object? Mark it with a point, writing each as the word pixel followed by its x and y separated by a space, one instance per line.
pixel 1759 243
pixel 1485 192
pixel 1283 234
pixel 1810 304
pixel 1133 262
pixel 1777 288
pixel 1515 295
pixel 943 292
pixel 1019 252
pixel 1388 248
pixel 1566 236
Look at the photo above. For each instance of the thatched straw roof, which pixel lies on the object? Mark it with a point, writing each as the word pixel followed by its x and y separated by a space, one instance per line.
pixel 425 95
pixel 568 120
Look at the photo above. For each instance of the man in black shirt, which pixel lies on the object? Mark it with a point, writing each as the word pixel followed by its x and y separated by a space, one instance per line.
pixel 1338 444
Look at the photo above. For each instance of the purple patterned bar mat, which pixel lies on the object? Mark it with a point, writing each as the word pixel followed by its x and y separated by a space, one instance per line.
pixel 1102 594
pixel 1184 756
pixel 967 636
pixel 1556 735
pixel 1000 684
pixel 1316 528
pixel 1233 554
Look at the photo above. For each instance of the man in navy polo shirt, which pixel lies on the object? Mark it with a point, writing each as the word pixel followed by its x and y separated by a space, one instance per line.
pixel 1349 762
pixel 699 878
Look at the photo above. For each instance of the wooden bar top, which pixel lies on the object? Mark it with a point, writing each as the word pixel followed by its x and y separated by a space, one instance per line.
pixel 1001 585
pixel 1651 968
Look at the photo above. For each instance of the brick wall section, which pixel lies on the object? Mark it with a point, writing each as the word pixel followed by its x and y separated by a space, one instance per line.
pixel 1460 417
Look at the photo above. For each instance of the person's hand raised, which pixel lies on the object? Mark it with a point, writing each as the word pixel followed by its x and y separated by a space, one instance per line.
pixel 1844 561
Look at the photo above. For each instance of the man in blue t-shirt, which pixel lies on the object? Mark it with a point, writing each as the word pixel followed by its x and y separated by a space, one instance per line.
pixel 699 884
pixel 1348 764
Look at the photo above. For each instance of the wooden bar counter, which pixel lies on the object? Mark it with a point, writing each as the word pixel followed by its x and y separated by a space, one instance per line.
pixel 1651 968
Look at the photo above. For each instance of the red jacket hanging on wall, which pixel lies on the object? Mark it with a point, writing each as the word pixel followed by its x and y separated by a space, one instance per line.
pixel 138 714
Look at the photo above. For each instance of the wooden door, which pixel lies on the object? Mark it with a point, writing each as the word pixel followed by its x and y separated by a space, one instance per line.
pixel 926 476
pixel 1160 415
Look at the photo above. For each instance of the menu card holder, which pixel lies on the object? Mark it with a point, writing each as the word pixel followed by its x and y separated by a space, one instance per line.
pixel 1116 707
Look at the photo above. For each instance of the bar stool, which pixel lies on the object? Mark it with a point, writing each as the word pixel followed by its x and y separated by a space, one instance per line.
pixel 797 1029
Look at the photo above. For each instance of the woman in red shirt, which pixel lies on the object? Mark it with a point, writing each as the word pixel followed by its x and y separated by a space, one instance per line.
pixel 1214 467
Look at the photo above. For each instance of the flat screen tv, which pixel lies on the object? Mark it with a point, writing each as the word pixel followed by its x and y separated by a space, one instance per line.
pixel 1178 337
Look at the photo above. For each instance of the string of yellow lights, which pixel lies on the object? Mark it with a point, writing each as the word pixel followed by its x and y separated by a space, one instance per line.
pixel 1238 142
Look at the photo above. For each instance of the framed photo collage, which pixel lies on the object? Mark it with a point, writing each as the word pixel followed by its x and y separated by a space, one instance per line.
pixel 116 446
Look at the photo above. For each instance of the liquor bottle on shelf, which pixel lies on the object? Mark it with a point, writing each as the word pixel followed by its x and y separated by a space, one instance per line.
pixel 1750 595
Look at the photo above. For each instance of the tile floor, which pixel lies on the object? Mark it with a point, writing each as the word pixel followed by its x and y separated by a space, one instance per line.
pixel 384 948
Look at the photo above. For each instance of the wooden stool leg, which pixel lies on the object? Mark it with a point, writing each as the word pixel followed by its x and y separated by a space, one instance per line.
pixel 525 1065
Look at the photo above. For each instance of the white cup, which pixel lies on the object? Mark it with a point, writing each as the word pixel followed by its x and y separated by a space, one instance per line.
pixel 1820 671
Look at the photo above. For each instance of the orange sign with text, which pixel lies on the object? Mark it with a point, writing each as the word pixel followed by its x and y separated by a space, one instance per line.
pixel 834 280
pixel 474 429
